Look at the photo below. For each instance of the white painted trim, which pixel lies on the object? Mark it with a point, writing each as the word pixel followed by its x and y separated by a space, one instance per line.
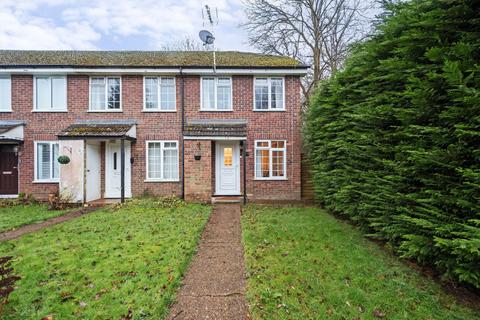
pixel 162 142
pixel 8 196
pixel 213 138
pixel 271 178
pixel 159 79
pixel 155 71
pixel 106 94
pixel 269 83
pixel 9 107
pixel 35 158
pixel 215 79
pixel 50 76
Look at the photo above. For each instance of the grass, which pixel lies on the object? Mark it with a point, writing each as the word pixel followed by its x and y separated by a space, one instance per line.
pixel 12 217
pixel 107 264
pixel 304 264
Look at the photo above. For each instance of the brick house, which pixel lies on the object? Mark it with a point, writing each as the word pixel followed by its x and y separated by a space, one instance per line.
pixel 159 123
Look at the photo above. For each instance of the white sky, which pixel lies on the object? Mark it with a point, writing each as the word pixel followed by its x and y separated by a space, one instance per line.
pixel 115 24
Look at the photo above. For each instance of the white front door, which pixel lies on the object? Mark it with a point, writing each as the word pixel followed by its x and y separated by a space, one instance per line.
pixel 93 188
pixel 227 174
pixel 113 170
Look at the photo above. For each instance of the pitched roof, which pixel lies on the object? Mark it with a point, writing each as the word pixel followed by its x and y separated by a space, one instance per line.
pixel 225 59
pixel 97 130
pixel 8 125
pixel 216 128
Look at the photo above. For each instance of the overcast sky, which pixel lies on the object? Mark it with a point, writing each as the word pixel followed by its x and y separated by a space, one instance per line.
pixel 115 25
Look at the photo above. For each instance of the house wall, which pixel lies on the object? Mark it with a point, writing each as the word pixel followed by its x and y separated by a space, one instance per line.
pixel 284 125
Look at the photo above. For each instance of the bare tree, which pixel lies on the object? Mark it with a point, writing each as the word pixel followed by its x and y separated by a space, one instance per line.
pixel 187 44
pixel 316 32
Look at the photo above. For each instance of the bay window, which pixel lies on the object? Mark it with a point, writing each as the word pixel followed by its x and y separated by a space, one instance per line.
pixel 46 164
pixel 216 94
pixel 269 94
pixel 159 94
pixel 105 94
pixel 50 93
pixel 162 161
pixel 270 159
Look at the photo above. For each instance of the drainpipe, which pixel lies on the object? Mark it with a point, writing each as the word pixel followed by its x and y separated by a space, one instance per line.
pixel 244 156
pixel 122 170
pixel 182 105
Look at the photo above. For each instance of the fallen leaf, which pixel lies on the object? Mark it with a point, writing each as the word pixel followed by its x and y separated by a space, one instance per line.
pixel 378 314
pixel 82 304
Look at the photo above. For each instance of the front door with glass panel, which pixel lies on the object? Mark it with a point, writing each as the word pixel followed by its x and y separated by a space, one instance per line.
pixel 227 160
pixel 113 170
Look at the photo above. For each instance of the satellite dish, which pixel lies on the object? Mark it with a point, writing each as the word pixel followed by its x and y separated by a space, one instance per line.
pixel 206 36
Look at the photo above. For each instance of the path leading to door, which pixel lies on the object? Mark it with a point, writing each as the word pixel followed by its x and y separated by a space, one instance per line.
pixel 29 228
pixel 215 283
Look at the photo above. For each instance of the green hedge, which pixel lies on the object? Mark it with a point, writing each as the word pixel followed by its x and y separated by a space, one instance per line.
pixel 394 138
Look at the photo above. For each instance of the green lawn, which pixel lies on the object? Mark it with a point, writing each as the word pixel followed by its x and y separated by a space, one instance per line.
pixel 19 215
pixel 304 264
pixel 106 263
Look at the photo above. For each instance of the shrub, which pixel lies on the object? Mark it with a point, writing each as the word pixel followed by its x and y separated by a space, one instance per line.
pixel 394 138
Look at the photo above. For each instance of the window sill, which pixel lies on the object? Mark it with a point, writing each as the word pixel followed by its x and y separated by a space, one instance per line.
pixel 105 111
pixel 270 110
pixel 229 110
pixel 160 180
pixel 270 179
pixel 159 111
pixel 46 181
pixel 50 111
pixel 5 111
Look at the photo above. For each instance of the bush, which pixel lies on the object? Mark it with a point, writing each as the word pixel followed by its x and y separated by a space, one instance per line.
pixel 394 138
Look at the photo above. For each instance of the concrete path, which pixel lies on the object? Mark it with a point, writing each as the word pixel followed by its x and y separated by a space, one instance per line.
pixel 29 228
pixel 214 286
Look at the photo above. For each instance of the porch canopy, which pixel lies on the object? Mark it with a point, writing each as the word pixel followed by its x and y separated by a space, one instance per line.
pixel 216 129
pixel 104 130
pixel 11 131
pixel 125 130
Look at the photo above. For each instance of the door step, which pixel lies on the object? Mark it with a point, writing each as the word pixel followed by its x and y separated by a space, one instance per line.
pixel 227 199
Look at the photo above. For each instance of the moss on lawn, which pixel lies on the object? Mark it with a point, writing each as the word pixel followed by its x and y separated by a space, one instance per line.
pixel 106 264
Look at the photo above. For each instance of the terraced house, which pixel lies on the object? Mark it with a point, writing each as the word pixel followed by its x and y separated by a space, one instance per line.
pixel 160 123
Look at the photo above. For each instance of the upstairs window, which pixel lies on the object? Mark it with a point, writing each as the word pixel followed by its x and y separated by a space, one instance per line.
pixel 50 93
pixel 269 94
pixel 5 94
pixel 216 94
pixel 46 164
pixel 270 159
pixel 105 94
pixel 159 94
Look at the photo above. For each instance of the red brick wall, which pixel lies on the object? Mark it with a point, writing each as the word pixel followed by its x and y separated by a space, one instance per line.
pixel 198 187
pixel 163 126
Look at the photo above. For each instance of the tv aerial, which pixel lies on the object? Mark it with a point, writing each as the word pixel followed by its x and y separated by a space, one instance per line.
pixel 207 36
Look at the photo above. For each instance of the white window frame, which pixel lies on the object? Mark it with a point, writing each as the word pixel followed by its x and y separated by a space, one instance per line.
pixel 270 149
pixel 215 109
pixel 35 162
pixel 9 106
pixel 106 95
pixel 162 144
pixel 159 109
pixel 270 109
pixel 35 106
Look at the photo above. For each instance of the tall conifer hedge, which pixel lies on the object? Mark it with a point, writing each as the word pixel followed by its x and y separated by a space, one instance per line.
pixel 394 139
